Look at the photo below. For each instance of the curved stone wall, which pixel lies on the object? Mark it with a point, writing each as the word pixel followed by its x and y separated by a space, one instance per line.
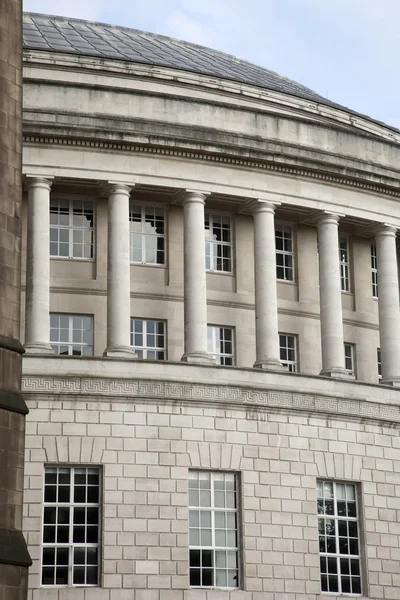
pixel 116 134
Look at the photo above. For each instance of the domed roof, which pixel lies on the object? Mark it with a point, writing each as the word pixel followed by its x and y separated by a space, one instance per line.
pixel 75 36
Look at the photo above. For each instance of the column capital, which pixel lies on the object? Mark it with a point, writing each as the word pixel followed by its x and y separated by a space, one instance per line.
pixel 384 229
pixel 191 195
pixel 38 181
pixel 329 218
pixel 258 205
pixel 118 187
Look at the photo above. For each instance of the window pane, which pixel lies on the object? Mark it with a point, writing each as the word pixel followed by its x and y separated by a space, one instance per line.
pixel 147 227
pixel 338 538
pixel 149 339
pixel 66 562
pixel 211 531
pixel 74 331
pixel 284 252
pixel 220 344
pixel 218 247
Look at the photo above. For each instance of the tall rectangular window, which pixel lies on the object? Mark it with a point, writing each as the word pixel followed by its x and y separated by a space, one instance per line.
pixel 147 235
pixel 220 344
pixel 148 339
pixel 288 351
pixel 339 538
pixel 344 262
pixel 218 236
pixel 71 335
pixel 213 529
pixel 374 271
pixel 71 228
pixel 349 357
pixel 71 526
pixel 379 363
pixel 284 252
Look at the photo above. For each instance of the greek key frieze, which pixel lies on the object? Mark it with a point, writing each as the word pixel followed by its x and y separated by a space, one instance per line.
pixel 109 389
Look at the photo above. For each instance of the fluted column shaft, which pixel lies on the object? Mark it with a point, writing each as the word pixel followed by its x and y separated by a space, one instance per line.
pixel 388 300
pixel 37 311
pixel 330 293
pixel 118 273
pixel 266 300
pixel 195 289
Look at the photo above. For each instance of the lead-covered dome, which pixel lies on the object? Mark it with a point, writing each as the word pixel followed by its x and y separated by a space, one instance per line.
pixel 75 36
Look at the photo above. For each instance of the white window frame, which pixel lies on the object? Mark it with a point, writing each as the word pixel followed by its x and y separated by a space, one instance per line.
pixel 374 271
pixel 86 205
pixel 145 350
pixel 216 336
pixel 288 256
pixel 71 345
pixel 212 246
pixel 147 234
pixel 200 477
pixel 379 363
pixel 350 357
pixel 328 511
pixel 284 348
pixel 344 264
pixel 71 546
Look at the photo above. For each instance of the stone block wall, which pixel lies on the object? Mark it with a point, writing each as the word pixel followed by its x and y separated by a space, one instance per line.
pixel 145 450
pixel 13 555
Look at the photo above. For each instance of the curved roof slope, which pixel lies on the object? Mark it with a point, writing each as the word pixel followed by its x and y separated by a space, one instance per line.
pixel 74 36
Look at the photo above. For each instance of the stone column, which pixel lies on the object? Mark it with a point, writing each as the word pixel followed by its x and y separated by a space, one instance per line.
pixel 14 557
pixel 266 299
pixel 330 294
pixel 37 312
pixel 118 274
pixel 388 300
pixel 195 294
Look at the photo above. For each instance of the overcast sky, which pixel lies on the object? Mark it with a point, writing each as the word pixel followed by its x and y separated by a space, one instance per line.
pixel 346 50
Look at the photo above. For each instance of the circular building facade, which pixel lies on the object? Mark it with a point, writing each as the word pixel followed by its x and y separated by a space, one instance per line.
pixel 211 327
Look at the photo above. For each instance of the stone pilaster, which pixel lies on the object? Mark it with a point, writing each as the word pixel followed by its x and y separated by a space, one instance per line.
pixel 195 279
pixel 118 273
pixel 330 294
pixel 14 557
pixel 37 313
pixel 388 300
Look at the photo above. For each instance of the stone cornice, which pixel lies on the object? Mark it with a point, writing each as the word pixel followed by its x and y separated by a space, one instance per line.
pixel 250 399
pixel 63 63
pixel 249 163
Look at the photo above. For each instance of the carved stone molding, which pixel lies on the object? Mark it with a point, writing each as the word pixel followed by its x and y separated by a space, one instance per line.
pixel 208 157
pixel 109 389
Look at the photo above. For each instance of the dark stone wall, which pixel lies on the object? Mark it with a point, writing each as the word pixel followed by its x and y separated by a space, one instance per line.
pixel 14 558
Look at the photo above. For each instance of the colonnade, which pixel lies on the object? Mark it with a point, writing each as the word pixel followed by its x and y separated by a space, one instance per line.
pixel 195 292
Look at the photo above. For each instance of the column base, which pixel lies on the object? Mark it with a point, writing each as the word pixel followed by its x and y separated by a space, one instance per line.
pixel 198 358
pixel 392 381
pixel 337 373
pixel 38 348
pixel 120 352
pixel 270 364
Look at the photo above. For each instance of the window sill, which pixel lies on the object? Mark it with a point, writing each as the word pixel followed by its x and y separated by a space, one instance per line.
pixel 69 587
pixel 216 589
pixel 152 265
pixel 225 274
pixel 332 595
pixel 287 281
pixel 69 258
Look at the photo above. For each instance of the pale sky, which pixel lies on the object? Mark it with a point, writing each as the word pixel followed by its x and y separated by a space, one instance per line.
pixel 346 50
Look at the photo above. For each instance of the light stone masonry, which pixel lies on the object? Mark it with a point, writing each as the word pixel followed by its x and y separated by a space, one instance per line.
pixel 109 131
pixel 145 512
